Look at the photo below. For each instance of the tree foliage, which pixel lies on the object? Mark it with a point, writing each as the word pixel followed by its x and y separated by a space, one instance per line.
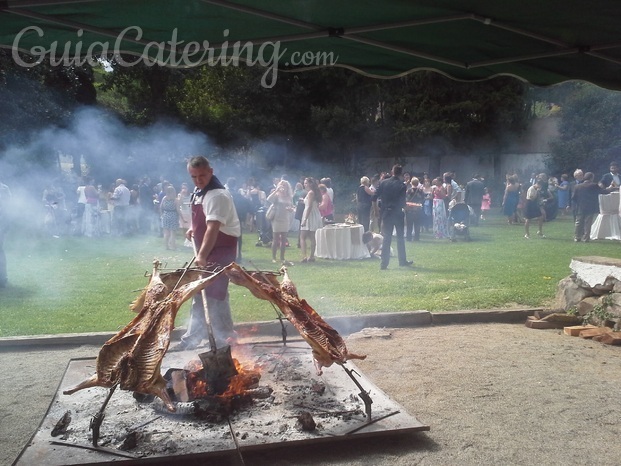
pixel 333 110
pixel 333 113
pixel 590 130
pixel 38 96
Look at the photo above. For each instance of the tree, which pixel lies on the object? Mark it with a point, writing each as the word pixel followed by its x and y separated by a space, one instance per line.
pixel 428 105
pixel 37 97
pixel 149 91
pixel 590 130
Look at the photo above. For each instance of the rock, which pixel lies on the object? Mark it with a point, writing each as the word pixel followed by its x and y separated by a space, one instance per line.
pixel 613 304
pixel 586 305
pixel 569 294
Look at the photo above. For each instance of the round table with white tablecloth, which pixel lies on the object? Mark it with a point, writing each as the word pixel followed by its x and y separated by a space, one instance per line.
pixel 607 224
pixel 341 241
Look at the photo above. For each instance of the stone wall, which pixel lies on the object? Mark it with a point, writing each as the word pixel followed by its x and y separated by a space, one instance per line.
pixel 595 281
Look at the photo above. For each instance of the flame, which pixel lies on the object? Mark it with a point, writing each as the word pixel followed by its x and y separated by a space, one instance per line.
pixel 198 387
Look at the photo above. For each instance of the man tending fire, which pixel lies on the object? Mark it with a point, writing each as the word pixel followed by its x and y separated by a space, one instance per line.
pixel 132 359
pixel 214 231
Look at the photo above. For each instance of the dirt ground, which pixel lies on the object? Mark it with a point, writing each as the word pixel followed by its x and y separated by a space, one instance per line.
pixel 491 394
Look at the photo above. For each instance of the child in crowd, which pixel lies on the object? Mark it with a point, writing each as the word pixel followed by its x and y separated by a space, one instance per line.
pixel 486 204
pixel 374 241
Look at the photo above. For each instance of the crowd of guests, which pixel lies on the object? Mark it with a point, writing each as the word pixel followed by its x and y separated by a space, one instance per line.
pixel 543 197
pixel 119 210
pixel 302 209
pixel 298 208
pixel 427 202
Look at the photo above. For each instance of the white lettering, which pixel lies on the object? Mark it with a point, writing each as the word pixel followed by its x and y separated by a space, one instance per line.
pixel 119 40
pixel 90 53
pixel 170 53
pixel 272 63
pixel 15 48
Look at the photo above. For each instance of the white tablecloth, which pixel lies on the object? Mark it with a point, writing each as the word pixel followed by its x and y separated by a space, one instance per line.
pixel 607 224
pixel 341 241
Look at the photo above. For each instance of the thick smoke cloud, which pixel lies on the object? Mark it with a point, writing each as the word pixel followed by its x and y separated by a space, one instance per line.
pixel 109 148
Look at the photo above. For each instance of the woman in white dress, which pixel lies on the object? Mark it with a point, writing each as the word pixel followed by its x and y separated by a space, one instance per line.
pixel 311 218
pixel 90 220
pixel 282 200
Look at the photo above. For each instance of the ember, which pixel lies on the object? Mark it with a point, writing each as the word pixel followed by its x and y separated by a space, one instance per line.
pixel 196 385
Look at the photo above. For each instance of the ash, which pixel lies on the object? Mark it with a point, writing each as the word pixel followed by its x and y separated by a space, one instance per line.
pixel 290 403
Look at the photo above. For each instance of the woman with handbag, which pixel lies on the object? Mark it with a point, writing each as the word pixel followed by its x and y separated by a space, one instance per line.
pixel 279 214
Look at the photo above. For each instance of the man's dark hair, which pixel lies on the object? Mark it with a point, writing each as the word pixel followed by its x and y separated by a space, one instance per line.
pixel 589 176
pixel 397 170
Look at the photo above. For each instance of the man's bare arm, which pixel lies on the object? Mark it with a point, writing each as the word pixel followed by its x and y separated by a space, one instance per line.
pixel 209 240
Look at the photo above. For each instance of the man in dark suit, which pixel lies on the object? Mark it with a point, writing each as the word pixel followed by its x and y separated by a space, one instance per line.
pixel 475 189
pixel 611 180
pixel 391 194
pixel 586 202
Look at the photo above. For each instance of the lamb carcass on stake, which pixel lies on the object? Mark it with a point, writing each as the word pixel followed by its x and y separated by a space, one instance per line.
pixel 327 345
pixel 171 280
pixel 133 357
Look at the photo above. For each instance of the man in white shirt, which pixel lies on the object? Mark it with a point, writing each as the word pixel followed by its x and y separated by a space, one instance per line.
pixel 215 231
pixel 120 200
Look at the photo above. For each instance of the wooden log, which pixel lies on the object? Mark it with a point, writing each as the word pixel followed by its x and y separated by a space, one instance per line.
pixel 567 319
pixel 593 332
pixel 574 330
pixel 611 338
pixel 541 314
pixel 533 322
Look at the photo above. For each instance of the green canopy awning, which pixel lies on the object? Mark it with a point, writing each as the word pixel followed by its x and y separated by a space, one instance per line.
pixel 541 41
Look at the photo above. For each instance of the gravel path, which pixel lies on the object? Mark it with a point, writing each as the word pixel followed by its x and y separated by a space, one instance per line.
pixel 491 393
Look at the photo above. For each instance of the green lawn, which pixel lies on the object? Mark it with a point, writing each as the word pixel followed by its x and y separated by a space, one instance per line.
pixel 75 284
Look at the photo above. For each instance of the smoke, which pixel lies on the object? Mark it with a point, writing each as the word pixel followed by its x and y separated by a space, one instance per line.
pixel 107 148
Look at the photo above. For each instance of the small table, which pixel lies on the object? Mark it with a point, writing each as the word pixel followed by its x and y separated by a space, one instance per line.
pixel 341 241
pixel 607 225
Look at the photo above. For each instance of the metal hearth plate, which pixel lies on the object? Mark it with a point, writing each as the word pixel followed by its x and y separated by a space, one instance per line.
pixel 339 414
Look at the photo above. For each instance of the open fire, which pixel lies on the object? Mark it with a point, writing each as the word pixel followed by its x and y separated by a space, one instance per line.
pixel 132 359
pixel 190 392
pixel 290 405
pixel 279 393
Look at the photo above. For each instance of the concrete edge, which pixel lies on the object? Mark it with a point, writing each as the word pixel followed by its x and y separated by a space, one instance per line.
pixel 345 325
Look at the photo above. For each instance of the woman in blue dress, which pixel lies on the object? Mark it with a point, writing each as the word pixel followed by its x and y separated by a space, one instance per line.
pixel 511 198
